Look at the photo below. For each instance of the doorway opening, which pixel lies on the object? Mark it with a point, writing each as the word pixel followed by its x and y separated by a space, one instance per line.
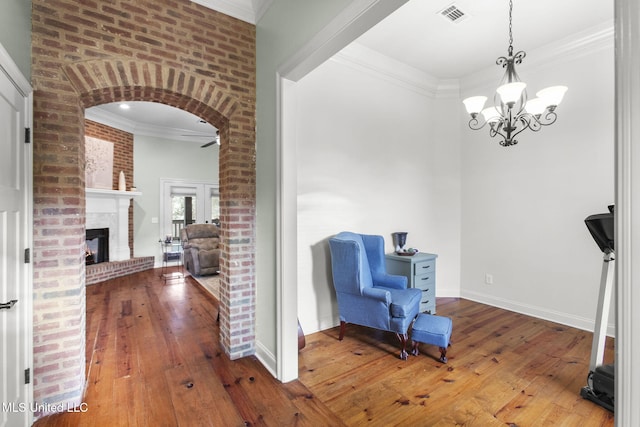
pixel 184 202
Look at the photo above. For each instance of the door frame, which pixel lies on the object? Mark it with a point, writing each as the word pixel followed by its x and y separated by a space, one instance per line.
pixel 21 83
pixel 627 140
pixel 352 22
pixel 201 190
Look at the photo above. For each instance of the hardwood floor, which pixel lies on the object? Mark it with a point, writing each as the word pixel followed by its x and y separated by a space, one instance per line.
pixel 504 369
pixel 153 359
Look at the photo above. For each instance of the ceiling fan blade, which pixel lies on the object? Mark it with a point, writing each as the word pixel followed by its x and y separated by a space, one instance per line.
pixel 208 144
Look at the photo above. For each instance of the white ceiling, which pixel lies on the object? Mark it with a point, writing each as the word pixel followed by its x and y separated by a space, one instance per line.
pixel 416 35
pixel 153 119
pixel 419 36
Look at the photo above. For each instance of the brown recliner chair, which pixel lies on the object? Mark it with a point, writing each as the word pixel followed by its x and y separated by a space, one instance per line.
pixel 201 244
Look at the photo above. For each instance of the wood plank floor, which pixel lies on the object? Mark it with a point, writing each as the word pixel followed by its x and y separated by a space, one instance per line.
pixel 154 359
pixel 504 368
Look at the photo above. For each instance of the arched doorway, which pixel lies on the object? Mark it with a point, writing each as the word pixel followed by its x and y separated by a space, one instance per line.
pixel 137 81
pixel 59 189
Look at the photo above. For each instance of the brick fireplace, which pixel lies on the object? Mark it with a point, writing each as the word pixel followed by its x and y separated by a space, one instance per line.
pixel 110 209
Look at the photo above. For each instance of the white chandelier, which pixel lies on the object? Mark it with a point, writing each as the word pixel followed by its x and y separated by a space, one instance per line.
pixel 513 112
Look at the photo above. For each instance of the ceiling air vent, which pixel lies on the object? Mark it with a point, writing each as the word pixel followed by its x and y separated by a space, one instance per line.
pixel 453 14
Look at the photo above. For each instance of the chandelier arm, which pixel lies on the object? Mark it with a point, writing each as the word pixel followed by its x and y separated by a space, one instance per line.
pixel 529 121
pixel 548 118
pixel 526 124
pixel 496 130
pixel 476 124
pixel 519 56
pixel 521 105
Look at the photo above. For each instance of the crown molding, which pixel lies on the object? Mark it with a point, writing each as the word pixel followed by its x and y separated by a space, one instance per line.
pixel 260 7
pixel 245 10
pixel 383 67
pixel 396 72
pixel 98 115
pixel 115 121
pixel 374 63
pixel 354 20
pixel 594 39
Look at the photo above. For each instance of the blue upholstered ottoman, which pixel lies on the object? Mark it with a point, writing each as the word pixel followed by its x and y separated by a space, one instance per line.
pixel 434 330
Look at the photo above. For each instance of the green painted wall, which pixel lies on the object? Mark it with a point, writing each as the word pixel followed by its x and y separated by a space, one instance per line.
pixel 15 32
pixel 283 30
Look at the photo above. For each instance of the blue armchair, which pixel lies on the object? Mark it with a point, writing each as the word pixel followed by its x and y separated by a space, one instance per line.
pixel 367 295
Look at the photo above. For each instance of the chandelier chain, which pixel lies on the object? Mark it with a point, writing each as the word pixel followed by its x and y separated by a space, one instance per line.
pixel 510 28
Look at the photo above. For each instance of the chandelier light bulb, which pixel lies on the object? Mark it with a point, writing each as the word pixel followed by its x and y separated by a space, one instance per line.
pixel 474 104
pixel 511 92
pixel 536 106
pixel 552 96
pixel 491 115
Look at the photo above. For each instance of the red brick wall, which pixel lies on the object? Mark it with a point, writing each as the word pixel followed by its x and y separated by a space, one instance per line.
pixel 90 52
pixel 122 159
pixel 122 148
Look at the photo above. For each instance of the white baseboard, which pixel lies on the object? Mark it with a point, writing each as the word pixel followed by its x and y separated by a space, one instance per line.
pixel 442 292
pixel 267 359
pixel 539 312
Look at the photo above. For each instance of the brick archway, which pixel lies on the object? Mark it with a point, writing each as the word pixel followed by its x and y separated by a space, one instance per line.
pixel 102 81
pixel 108 80
pixel 89 53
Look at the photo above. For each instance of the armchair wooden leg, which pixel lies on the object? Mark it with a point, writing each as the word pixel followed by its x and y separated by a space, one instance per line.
pixel 343 326
pixel 403 343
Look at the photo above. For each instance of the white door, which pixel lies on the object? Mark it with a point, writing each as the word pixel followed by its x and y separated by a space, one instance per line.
pixel 205 201
pixel 15 270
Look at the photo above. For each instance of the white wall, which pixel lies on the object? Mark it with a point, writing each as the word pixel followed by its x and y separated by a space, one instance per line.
pixel 523 206
pixel 371 160
pixel 156 158
pixel 374 157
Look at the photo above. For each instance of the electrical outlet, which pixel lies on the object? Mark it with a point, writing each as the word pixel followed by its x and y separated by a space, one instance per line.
pixel 488 279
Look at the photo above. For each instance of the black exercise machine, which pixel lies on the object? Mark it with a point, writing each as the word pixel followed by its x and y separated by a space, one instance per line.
pixel 600 386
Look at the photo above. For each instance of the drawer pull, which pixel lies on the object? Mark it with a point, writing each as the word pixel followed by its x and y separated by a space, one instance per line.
pixel 425 290
pixel 426 266
pixel 426 278
pixel 425 302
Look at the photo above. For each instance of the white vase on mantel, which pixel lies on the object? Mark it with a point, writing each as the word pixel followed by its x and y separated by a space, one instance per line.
pixel 122 184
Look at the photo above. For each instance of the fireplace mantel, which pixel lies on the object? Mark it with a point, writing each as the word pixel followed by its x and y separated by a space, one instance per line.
pixel 110 209
pixel 110 194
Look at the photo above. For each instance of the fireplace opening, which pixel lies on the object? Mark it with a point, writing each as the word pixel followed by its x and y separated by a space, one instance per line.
pixel 97 246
